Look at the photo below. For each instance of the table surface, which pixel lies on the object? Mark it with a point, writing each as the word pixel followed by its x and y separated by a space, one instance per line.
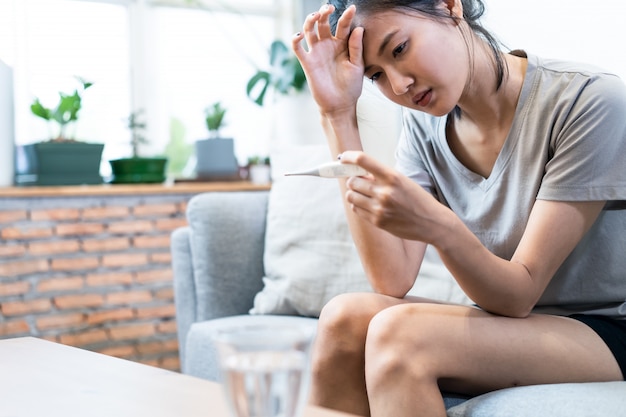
pixel 42 378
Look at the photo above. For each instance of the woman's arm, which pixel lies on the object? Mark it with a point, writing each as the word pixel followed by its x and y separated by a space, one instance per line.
pixel 392 202
pixel 334 68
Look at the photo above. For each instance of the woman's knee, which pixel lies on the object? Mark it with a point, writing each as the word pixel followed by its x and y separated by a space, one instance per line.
pixel 399 340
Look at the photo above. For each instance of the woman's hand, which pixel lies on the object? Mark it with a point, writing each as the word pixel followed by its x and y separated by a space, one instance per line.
pixel 393 202
pixel 333 64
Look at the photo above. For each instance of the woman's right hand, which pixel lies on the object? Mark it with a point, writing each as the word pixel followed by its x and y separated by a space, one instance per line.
pixel 333 64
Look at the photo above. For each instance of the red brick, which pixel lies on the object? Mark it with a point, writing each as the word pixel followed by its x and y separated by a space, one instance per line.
pixel 171 363
pixel 118 351
pixel 22 308
pixel 21 267
pixel 161 258
pixel 128 297
pixel 104 316
pixel 60 321
pixel 155 210
pixel 12 251
pixel 171 345
pixel 133 331
pixel 170 224
pixel 106 245
pixel 78 301
pixel 87 337
pixel 150 362
pixel 168 326
pixel 14 288
pixel 106 212
pixel 113 278
pixel 60 284
pixel 127 228
pixel 79 229
pixel 182 207
pixel 13 216
pixel 150 348
pixel 168 311
pixel 55 214
pixel 29 232
pixel 157 275
pixel 142 242
pixel 74 264
pixel 164 294
pixel 53 247
pixel 14 328
pixel 124 259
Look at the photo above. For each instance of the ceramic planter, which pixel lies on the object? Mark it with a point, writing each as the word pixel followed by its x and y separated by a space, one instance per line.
pixel 215 159
pixel 59 163
pixel 138 170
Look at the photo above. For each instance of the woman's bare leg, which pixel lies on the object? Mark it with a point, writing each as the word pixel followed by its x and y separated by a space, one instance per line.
pixel 413 350
pixel 338 357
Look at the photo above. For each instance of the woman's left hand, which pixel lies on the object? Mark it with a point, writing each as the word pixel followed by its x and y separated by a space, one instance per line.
pixel 392 202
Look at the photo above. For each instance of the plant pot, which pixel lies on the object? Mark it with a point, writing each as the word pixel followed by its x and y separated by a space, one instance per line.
pixel 259 174
pixel 215 159
pixel 138 170
pixel 59 163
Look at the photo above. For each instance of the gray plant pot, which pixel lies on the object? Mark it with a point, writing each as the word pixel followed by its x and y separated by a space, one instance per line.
pixel 215 160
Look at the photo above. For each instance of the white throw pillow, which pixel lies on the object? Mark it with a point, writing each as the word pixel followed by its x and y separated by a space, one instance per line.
pixel 309 254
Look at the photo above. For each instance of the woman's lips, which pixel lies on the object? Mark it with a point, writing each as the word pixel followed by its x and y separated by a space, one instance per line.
pixel 423 99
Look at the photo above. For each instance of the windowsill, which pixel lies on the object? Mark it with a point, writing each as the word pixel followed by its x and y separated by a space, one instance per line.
pixel 129 189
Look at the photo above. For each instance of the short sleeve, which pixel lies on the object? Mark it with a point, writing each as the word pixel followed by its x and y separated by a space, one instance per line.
pixel 587 159
pixel 409 157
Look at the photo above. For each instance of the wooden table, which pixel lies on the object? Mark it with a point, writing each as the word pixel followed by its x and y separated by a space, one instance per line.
pixel 45 379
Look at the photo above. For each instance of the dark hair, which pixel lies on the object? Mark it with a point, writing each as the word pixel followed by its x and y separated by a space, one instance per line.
pixel 472 12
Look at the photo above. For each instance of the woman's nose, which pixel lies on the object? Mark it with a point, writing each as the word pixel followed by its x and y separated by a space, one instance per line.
pixel 399 83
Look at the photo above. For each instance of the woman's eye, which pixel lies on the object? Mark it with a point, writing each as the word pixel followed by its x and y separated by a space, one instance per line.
pixel 374 77
pixel 399 49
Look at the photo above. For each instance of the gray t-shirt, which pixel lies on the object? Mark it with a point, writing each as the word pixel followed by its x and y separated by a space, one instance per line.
pixel 567 143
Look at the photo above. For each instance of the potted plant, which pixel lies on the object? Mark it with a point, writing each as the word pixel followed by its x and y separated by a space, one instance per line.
pixel 284 76
pixel 137 169
pixel 215 156
pixel 295 113
pixel 62 160
pixel 259 169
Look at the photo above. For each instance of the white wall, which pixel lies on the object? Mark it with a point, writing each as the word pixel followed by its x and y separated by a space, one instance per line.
pixel 6 125
pixel 580 30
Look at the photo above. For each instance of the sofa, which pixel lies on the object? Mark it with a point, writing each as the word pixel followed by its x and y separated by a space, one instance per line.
pixel 218 264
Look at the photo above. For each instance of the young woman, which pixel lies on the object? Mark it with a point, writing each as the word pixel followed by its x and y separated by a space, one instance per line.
pixel 513 167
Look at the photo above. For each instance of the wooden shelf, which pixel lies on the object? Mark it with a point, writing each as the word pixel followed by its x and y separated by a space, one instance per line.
pixel 130 189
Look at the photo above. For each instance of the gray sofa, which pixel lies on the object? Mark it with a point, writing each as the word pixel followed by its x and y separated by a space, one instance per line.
pixel 218 268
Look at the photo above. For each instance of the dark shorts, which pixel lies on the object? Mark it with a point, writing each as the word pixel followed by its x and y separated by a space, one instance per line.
pixel 612 331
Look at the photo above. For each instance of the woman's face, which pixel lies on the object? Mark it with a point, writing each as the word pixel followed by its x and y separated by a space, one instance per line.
pixel 416 61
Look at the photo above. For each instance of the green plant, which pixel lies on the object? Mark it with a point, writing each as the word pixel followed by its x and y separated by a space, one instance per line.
pixel 65 112
pixel 214 117
pixel 259 160
pixel 284 76
pixel 136 127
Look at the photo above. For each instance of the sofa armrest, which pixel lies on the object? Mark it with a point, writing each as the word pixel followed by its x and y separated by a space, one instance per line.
pixel 217 259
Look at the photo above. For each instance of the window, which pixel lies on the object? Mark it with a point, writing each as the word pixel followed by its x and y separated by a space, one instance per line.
pixel 55 40
pixel 201 57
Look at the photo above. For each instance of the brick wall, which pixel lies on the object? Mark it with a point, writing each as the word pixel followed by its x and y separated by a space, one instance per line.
pixel 92 272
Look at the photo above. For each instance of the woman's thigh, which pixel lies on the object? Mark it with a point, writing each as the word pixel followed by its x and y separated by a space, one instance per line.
pixel 470 351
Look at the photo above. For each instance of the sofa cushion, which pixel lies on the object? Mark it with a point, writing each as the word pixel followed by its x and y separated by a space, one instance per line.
pixel 597 399
pixel 201 354
pixel 309 254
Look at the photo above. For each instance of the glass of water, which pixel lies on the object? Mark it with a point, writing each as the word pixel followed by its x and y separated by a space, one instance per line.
pixel 264 368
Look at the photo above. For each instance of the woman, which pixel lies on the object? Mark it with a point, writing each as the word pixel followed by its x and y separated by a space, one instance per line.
pixel 512 167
